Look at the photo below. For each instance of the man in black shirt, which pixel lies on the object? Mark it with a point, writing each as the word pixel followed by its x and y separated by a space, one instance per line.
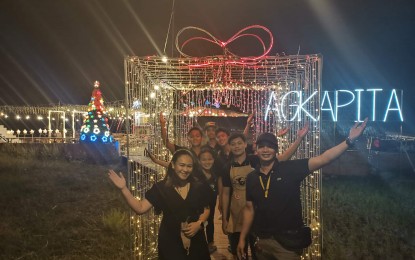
pixel 273 204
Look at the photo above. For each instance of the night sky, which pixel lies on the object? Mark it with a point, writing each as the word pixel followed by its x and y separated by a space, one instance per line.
pixel 53 50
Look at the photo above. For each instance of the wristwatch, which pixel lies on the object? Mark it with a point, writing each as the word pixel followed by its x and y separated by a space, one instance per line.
pixel 349 142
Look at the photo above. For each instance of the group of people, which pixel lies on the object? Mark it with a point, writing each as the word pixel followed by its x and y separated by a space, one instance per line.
pixel 258 193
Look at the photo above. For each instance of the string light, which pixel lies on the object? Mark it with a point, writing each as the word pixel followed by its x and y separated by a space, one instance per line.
pixel 228 85
pixel 95 127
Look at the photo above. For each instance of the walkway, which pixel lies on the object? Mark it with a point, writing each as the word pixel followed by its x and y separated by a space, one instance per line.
pixel 221 241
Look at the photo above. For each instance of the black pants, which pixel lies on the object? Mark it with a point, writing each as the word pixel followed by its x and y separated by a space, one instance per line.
pixel 210 229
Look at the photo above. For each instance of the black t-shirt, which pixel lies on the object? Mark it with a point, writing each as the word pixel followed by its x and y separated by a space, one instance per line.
pixel 281 210
pixel 220 162
pixel 215 149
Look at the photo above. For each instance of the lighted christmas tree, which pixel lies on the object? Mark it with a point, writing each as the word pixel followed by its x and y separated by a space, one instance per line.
pixel 95 127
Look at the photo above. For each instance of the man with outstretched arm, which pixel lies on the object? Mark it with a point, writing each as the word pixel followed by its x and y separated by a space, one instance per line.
pixel 273 204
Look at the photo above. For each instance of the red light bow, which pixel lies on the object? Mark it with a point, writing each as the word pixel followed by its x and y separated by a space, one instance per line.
pixel 213 39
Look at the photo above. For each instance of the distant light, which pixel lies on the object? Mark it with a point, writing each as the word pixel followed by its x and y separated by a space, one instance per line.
pixel 27 117
pixel 164 59
pixel 40 118
pixel 96 84
pixel 156 87
pixel 152 95
pixel 17 117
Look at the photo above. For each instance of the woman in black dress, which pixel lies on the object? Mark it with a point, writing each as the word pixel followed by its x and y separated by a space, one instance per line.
pixel 185 206
pixel 207 159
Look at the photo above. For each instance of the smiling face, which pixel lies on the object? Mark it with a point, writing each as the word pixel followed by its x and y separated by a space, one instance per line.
pixel 222 138
pixel 265 152
pixel 210 132
pixel 206 160
pixel 195 138
pixel 183 166
pixel 238 146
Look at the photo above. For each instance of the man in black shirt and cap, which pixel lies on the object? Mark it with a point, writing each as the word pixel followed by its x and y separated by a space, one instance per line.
pixel 273 204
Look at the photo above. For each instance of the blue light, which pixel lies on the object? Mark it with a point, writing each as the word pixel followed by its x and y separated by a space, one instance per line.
pixel 397 108
pixel 83 136
pixel 93 138
pixel 104 139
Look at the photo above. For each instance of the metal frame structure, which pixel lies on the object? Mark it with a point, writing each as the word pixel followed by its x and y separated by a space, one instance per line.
pixel 184 89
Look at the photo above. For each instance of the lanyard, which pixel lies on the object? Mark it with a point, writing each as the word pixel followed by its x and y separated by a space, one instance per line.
pixel 262 184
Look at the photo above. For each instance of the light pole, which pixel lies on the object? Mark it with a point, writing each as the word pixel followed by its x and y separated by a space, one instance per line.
pixel 45 131
pixel 32 132
pixel 40 134
pixel 24 135
pixel 12 133
pixel 57 133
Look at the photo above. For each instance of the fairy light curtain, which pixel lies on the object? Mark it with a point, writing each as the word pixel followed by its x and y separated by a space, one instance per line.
pixel 185 88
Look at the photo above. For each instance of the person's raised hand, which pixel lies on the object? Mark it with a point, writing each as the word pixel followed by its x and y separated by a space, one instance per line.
pixel 118 180
pixel 283 131
pixel 357 130
pixel 148 154
pixel 303 131
pixel 249 120
pixel 162 119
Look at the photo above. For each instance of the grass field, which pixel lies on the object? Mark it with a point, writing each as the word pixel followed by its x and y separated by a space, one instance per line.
pixel 370 217
pixel 53 208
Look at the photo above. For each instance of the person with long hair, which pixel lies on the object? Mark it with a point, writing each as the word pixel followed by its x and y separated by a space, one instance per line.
pixel 181 197
pixel 207 159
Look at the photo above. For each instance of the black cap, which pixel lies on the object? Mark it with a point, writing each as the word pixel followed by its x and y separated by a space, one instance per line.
pixel 269 140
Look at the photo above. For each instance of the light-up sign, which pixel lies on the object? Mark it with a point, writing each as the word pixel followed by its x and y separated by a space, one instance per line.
pixel 377 104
